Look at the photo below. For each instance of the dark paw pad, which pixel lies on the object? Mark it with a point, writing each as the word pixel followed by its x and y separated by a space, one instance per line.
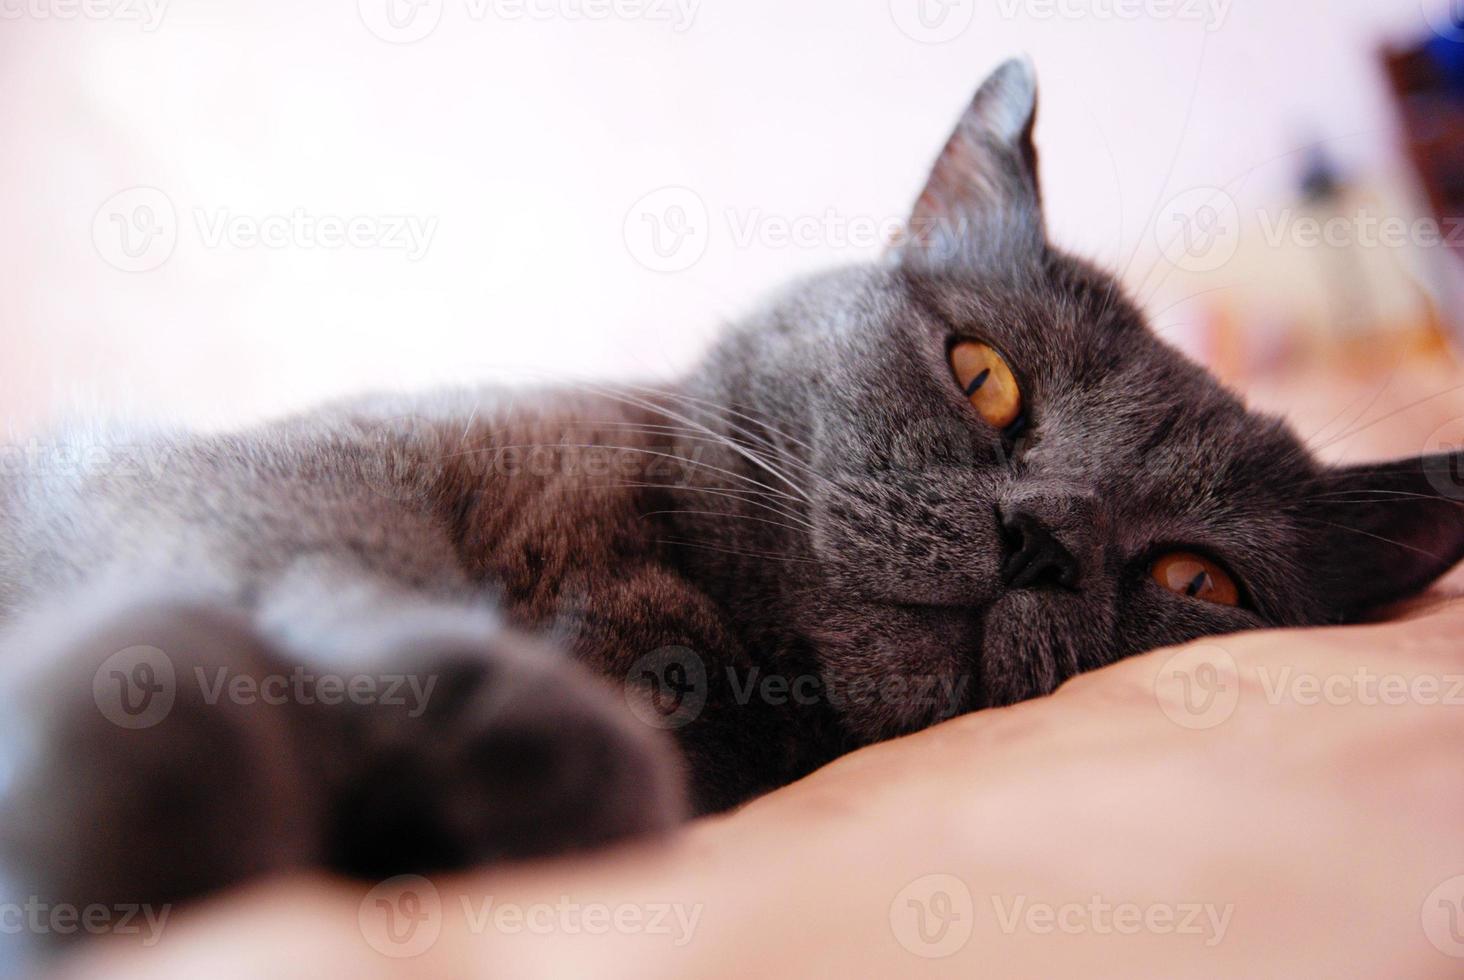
pixel 519 755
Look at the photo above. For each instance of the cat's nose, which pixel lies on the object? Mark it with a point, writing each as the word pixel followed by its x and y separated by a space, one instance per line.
pixel 1035 558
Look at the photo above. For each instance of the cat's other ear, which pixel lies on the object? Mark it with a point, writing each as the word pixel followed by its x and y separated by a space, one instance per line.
pixel 982 205
pixel 1389 530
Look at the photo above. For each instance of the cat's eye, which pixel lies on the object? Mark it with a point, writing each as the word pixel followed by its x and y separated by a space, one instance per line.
pixel 1197 577
pixel 987 381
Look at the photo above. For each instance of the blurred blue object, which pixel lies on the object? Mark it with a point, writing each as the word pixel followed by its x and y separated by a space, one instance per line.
pixel 1448 56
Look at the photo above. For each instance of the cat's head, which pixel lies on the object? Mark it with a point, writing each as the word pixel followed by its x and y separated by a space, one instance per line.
pixel 976 464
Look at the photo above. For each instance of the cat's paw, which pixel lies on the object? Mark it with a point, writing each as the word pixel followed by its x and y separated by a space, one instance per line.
pixel 130 780
pixel 517 754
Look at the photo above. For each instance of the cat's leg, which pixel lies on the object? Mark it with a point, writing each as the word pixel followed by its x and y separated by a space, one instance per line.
pixel 127 783
pixel 463 742
pixel 162 749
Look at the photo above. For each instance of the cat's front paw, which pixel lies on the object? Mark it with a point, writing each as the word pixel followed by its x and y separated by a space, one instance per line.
pixel 127 783
pixel 518 754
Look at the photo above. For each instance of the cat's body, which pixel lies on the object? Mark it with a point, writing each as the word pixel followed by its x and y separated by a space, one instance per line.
pixel 426 547
pixel 811 543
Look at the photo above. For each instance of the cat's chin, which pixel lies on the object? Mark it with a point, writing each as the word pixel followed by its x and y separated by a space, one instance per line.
pixel 1035 640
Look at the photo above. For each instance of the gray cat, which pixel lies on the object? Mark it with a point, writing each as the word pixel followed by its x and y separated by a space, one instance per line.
pixel 417 635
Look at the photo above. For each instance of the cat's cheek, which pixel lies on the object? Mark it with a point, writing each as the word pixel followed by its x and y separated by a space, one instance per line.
pixel 921 540
pixel 888 671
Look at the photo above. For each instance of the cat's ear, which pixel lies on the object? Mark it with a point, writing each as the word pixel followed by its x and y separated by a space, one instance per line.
pixel 982 204
pixel 1388 530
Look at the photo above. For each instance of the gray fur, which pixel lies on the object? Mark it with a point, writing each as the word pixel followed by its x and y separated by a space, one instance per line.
pixel 816 502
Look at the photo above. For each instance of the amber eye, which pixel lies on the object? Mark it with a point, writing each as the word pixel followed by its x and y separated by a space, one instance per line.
pixel 987 381
pixel 1196 577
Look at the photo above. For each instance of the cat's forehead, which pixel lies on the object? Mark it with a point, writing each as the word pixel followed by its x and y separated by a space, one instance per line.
pixel 1109 401
pixel 1055 319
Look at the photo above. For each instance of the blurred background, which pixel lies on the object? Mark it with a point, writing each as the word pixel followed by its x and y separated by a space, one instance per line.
pixel 216 211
